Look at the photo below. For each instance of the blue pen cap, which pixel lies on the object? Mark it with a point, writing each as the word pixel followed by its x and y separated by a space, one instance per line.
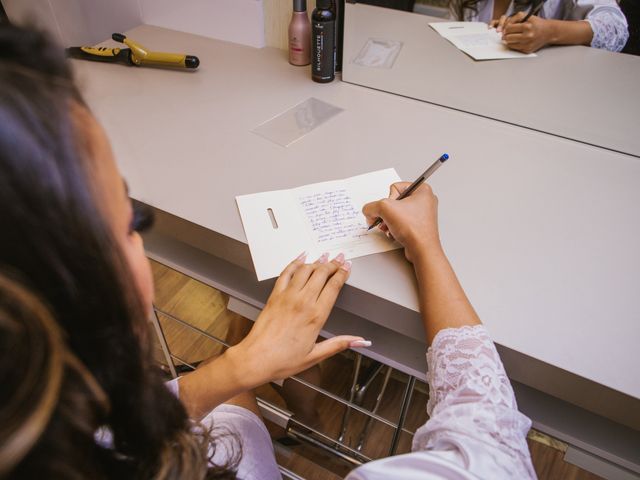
pixel 444 157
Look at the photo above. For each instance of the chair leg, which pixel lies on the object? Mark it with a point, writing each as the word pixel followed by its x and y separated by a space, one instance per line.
pixel 406 400
pixel 352 394
pixel 367 425
pixel 163 343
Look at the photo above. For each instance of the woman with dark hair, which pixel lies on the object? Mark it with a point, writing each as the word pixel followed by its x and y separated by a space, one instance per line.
pixel 82 397
pixel 46 389
pixel 598 23
pixel 70 235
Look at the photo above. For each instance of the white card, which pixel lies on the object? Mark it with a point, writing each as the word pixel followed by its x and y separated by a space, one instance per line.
pixel 317 218
pixel 477 40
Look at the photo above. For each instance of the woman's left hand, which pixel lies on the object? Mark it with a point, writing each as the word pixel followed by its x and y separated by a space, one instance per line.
pixel 282 341
pixel 527 37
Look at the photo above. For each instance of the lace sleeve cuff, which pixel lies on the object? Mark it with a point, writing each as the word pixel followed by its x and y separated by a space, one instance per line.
pixel 472 406
pixel 610 30
pixel 465 360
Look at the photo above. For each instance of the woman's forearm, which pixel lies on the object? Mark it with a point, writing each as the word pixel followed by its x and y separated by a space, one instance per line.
pixel 566 32
pixel 413 221
pixel 214 383
pixel 443 303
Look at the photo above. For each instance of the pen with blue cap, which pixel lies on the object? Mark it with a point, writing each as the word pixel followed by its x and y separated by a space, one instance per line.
pixel 416 183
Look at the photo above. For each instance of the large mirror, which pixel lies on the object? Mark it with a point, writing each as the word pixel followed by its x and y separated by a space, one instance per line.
pixel 577 92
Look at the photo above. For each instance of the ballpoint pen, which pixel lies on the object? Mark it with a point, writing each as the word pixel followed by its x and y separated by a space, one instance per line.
pixel 416 183
pixel 534 11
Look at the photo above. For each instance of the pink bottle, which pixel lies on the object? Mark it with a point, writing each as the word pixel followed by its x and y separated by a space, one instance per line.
pixel 299 35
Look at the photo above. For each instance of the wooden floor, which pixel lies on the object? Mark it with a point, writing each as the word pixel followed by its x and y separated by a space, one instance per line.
pixel 205 308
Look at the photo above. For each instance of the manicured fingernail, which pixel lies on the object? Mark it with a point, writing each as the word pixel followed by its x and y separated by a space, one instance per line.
pixel 340 258
pixel 346 266
pixel 360 344
pixel 324 258
pixel 302 256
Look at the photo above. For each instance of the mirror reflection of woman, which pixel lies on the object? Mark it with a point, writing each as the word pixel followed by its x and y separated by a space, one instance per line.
pixel 595 23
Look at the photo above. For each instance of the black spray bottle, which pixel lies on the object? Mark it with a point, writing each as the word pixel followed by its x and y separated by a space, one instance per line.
pixel 337 6
pixel 323 43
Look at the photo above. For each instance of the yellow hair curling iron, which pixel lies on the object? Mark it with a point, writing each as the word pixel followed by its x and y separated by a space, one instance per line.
pixel 136 54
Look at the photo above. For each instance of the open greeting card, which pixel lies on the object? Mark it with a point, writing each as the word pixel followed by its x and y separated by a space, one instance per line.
pixel 317 218
pixel 477 40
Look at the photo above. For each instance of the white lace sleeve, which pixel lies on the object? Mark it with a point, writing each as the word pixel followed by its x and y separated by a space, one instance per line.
pixel 472 407
pixel 610 30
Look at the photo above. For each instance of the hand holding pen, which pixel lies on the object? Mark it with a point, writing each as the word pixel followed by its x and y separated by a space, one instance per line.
pixel 525 31
pixel 409 215
pixel 518 17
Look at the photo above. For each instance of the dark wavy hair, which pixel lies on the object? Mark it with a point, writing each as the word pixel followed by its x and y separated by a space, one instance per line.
pixel 55 242
pixel 459 7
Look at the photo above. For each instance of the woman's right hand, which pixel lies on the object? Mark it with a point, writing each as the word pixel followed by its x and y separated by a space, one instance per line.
pixel 412 221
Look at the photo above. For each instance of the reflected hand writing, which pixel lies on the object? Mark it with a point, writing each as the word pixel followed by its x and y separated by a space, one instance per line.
pixel 526 37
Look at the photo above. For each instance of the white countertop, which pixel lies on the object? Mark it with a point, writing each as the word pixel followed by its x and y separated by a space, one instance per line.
pixel 542 231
